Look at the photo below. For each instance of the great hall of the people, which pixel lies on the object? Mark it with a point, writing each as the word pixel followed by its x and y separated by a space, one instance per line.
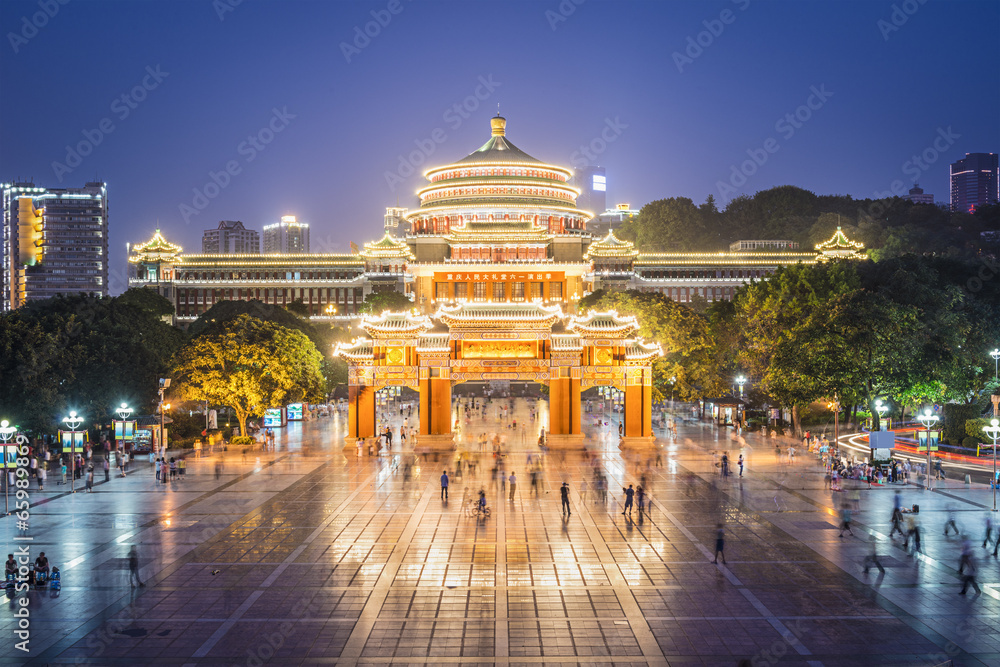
pixel 495 226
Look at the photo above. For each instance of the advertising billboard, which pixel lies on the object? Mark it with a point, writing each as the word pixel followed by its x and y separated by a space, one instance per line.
pixel 274 417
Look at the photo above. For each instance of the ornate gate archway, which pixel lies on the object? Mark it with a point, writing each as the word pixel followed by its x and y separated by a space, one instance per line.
pixel 526 342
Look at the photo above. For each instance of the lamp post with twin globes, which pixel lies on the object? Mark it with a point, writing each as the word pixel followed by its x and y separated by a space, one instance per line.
pixel 993 432
pixel 928 419
pixel 72 422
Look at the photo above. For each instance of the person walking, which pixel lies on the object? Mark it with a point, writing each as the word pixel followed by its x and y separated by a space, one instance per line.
pixel 107 469
pixel 872 558
pixel 740 462
pixel 62 469
pixel 720 544
pixel 564 492
pixel 912 530
pixel 42 474
pixel 989 531
pixel 897 520
pixel 512 480
pixel 629 493
pixel 159 465
pixel 950 521
pixel 845 516
pixel 444 485
pixel 968 571
pixel 90 479
pixel 133 568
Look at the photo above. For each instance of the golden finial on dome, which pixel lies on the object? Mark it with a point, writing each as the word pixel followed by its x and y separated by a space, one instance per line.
pixel 498 123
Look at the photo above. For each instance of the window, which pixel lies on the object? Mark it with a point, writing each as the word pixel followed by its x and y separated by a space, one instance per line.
pixel 462 291
pixel 517 292
pixel 441 291
pixel 536 291
pixel 499 292
pixel 555 291
pixel 479 291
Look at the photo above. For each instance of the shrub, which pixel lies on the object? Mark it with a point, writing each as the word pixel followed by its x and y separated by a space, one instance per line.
pixel 974 428
pixel 242 440
pixel 955 416
pixel 970 442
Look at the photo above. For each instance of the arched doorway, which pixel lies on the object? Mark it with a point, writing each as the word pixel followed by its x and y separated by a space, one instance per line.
pixel 514 342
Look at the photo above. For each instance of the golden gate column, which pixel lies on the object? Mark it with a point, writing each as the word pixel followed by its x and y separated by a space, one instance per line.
pixel 435 409
pixel 564 409
pixel 638 414
pixel 360 413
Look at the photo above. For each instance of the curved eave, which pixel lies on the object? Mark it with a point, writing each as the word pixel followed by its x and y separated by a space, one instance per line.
pixel 437 208
pixel 497 163
pixel 499 181
pixel 358 349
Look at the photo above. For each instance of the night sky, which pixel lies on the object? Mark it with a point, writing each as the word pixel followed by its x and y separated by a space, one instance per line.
pixel 885 82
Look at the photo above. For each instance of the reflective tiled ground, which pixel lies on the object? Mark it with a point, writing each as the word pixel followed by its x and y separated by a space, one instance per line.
pixel 309 556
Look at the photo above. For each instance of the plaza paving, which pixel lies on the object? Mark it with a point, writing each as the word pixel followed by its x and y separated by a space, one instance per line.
pixel 309 556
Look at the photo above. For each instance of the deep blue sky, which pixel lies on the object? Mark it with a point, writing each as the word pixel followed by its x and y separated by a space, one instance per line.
pixel 557 88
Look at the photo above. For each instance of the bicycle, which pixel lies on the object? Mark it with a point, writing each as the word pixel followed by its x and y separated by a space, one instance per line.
pixel 479 511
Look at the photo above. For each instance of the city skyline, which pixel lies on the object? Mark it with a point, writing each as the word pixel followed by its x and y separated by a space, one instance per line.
pixel 676 110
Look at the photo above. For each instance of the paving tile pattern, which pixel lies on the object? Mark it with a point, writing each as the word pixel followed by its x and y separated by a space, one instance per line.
pixel 305 556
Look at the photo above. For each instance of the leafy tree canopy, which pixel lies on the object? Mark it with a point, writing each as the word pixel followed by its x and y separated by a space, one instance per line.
pixel 376 302
pixel 149 300
pixel 250 365
pixel 81 353
pixel 688 369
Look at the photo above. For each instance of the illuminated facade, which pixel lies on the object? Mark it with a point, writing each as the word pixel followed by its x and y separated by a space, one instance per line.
pixel 497 226
pixel 55 241
pixel 501 341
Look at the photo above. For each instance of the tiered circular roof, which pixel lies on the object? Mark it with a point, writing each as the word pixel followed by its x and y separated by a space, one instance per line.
pixel 498 176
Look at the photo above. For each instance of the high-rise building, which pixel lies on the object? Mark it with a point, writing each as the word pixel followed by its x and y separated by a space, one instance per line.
pixel 917 195
pixel 975 180
pixel 593 184
pixel 286 236
pixel 55 241
pixel 611 219
pixel 230 238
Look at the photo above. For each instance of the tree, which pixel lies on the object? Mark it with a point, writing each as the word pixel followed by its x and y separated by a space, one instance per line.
pixel 250 365
pixel 378 302
pixel 149 300
pixel 784 343
pixel 298 307
pixel 228 310
pixel 673 224
pixel 82 353
pixel 685 336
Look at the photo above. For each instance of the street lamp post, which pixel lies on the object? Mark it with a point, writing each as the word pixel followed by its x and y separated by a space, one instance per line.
pixel 164 385
pixel 881 408
pixel 7 433
pixel 993 431
pixel 996 361
pixel 740 381
pixel 835 406
pixel 124 412
pixel 72 422
pixel 928 419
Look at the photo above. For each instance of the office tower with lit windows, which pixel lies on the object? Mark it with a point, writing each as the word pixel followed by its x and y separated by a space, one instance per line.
pixel 287 236
pixel 55 241
pixel 974 181
pixel 230 238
